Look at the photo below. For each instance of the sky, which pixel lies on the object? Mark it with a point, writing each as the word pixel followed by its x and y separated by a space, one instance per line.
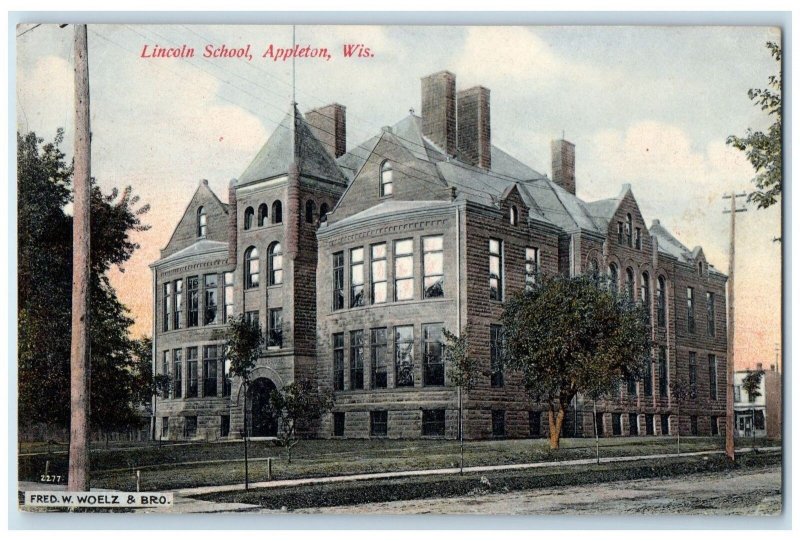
pixel 648 106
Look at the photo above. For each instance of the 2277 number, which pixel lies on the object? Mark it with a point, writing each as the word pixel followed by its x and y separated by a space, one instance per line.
pixel 51 478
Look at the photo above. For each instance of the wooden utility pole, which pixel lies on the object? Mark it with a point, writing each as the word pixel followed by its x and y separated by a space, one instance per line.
pixel 78 477
pixel 729 420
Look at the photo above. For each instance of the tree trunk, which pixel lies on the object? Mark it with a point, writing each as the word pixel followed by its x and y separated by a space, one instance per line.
pixel 555 420
pixel 461 430
pixel 596 434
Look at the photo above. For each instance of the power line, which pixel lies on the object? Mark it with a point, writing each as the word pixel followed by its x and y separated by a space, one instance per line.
pixel 34 27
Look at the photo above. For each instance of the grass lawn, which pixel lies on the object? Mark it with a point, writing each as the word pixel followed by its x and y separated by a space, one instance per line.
pixel 173 466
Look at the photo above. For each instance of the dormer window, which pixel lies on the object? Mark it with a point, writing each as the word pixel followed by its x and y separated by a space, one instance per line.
pixel 201 222
pixel 513 216
pixel 248 218
pixel 387 185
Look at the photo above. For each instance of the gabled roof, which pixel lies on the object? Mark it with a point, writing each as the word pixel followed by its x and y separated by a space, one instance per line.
pixel 668 244
pixel 291 141
pixel 201 247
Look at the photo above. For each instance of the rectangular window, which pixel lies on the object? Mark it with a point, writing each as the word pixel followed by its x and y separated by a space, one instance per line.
pixel 356 277
pixel 633 424
pixel 664 425
pixel 638 239
pixel 433 422
pixel 712 376
pixel 403 270
pixel 498 423
pixel 226 377
pixel 599 420
pixel 620 233
pixel 210 367
pixel 212 300
pixel 167 312
pixel 649 424
pixel 433 267
pixel 714 425
pixel 616 424
pixel 378 424
pixel 496 269
pixel 378 362
pixel 356 360
pixel 496 355
pixel 648 378
pixel 193 286
pixel 338 280
pixel 378 261
pixel 737 393
pixel 693 425
pixel 224 426
pixel 228 278
pixel 275 335
pixel 177 373
pixel 661 302
pixel 338 361
pixel 690 309
pixel 432 362
pixel 692 374
pixel 531 267
pixel 165 427
pixel 710 314
pixel 404 356
pixel 338 424
pixel 177 317
pixel 165 372
pixel 190 426
pixel 535 423
pixel 191 372
pixel 632 387
pixel 663 384
pixel 758 419
pixel 251 316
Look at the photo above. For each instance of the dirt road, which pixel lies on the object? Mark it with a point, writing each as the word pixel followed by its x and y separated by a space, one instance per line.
pixel 747 492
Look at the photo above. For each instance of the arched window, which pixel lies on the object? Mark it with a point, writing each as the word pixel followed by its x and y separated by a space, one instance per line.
pixel 262 214
pixel 311 208
pixel 277 212
pixel 387 181
pixel 661 301
pixel 323 212
pixel 513 215
pixel 594 271
pixel 275 263
pixel 629 231
pixel 644 289
pixel 629 283
pixel 201 222
pixel 613 278
pixel 700 268
pixel 251 267
pixel 248 218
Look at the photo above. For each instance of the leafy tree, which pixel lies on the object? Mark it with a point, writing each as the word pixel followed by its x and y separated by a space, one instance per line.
pixel 570 335
pixel 45 291
pixel 243 341
pixel 681 391
pixel 148 384
pixel 296 407
pixel 752 384
pixel 763 150
pixel 463 374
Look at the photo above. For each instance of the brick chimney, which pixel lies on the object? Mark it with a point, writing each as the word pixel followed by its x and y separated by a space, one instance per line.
pixel 329 125
pixel 439 110
pixel 563 153
pixel 474 127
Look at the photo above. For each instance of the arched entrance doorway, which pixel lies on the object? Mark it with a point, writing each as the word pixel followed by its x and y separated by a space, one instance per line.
pixel 262 422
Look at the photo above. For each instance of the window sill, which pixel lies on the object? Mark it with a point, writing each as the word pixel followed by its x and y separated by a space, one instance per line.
pixel 390 304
